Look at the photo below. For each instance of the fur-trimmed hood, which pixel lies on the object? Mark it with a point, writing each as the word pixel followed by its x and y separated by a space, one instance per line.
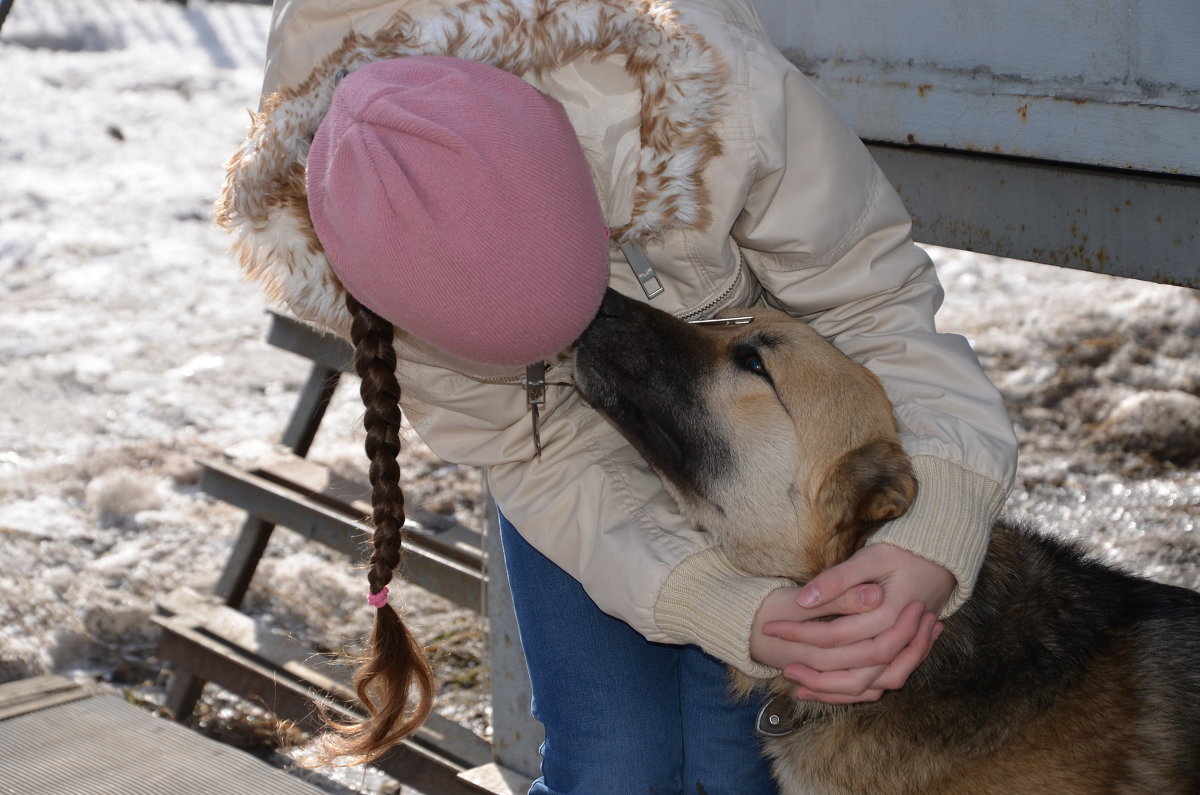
pixel 680 79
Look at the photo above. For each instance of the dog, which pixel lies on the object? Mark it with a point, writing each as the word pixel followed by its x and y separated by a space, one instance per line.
pixel 1058 675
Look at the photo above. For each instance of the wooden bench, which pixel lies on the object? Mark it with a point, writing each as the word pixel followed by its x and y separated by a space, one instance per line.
pixel 206 638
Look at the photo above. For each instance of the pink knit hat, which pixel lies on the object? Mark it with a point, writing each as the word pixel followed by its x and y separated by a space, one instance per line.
pixel 453 199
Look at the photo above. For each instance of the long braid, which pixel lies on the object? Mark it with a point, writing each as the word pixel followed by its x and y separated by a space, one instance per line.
pixel 395 662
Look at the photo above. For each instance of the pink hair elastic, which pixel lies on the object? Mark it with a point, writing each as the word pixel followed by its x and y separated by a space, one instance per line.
pixel 378 599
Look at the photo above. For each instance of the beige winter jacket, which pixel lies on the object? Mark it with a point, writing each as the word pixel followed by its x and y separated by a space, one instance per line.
pixel 714 155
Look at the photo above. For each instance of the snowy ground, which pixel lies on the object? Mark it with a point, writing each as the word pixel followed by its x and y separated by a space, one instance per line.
pixel 129 346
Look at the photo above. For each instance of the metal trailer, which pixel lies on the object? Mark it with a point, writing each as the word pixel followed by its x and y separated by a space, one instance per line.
pixel 1064 132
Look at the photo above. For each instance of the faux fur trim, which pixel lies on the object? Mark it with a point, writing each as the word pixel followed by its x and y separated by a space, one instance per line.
pixel 264 203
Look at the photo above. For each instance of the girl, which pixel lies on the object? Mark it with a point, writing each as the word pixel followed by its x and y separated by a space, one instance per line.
pixel 401 187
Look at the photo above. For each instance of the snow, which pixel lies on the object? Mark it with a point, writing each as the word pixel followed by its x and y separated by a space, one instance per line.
pixel 130 347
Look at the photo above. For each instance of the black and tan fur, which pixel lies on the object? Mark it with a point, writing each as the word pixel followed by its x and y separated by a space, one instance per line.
pixel 1059 675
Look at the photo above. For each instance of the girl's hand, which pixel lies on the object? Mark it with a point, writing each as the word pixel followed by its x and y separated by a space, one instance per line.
pixel 889 600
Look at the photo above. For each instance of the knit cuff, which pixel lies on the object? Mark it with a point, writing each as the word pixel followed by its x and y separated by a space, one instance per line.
pixel 708 602
pixel 950 523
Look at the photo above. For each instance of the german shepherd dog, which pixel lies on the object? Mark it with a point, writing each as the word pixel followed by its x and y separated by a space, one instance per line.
pixel 1059 675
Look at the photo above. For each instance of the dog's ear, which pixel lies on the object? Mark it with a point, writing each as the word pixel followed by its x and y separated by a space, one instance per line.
pixel 868 486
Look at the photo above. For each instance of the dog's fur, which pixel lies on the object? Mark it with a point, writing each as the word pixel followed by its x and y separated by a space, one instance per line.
pixel 1059 674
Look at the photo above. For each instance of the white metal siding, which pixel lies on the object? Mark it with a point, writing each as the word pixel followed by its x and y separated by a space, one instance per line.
pixel 1113 83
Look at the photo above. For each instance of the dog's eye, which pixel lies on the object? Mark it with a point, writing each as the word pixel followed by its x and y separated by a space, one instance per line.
pixel 748 359
pixel 746 355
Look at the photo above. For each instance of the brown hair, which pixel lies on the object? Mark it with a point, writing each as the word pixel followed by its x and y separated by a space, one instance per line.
pixel 394 661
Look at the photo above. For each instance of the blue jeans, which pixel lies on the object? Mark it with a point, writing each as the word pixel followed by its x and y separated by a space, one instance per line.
pixel 624 716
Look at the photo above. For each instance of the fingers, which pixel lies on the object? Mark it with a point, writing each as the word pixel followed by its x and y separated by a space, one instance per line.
pixel 833 698
pixel 879 650
pixel 830 634
pixel 907 661
pixel 847 684
pixel 858 599
pixel 830 584
pixel 869 683
pixel 879 633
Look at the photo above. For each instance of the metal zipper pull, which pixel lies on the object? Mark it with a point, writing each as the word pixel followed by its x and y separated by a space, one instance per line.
pixel 535 395
pixel 635 255
pixel 723 321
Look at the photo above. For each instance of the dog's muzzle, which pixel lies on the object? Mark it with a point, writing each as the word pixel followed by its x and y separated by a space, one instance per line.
pixel 614 304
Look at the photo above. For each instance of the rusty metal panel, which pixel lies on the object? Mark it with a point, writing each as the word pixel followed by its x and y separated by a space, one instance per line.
pixel 1139 226
pixel 1111 83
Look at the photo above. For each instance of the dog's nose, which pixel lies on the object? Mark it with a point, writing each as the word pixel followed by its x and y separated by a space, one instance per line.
pixel 613 305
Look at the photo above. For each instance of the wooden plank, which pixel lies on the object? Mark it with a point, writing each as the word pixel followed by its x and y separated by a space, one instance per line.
pixel 206 612
pixel 36 693
pixel 247 551
pixel 516 735
pixel 277 658
pixel 424 565
pixel 351 498
pixel 421 762
pixel 327 350
pixel 497 779
pixel 310 408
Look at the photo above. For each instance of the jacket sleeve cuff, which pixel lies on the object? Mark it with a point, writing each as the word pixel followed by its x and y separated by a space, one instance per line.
pixel 708 602
pixel 950 523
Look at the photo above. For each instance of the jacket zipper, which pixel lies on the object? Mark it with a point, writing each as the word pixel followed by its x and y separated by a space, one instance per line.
pixel 647 277
pixel 716 303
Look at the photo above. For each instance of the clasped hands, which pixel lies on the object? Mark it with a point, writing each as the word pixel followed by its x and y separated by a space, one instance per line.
pixel 887 600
